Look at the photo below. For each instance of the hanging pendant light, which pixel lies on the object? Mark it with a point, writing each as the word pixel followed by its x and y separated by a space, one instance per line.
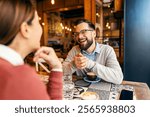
pixel 52 2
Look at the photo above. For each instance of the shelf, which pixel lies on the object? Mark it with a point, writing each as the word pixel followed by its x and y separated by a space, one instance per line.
pixel 113 29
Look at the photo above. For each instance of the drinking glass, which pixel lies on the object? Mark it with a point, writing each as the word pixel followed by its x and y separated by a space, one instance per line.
pixel 68 90
pixel 68 87
pixel 67 78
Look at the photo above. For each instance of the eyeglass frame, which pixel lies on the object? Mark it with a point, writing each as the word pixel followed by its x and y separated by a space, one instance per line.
pixel 76 34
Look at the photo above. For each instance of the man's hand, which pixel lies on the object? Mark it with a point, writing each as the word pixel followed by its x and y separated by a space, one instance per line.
pixel 80 61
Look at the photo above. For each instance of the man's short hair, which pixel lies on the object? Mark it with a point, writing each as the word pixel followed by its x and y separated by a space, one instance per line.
pixel 90 24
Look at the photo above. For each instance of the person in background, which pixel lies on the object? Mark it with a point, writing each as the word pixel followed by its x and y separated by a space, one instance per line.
pixel 90 56
pixel 20 34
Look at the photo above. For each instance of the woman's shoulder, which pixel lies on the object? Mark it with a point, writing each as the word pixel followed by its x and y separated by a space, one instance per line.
pixel 11 70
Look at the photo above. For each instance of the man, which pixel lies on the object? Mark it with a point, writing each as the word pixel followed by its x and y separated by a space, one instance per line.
pixel 90 56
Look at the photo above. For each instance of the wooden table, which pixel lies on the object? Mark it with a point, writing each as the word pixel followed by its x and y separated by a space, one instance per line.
pixel 140 90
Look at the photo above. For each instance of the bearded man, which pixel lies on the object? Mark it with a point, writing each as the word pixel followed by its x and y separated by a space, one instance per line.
pixel 90 56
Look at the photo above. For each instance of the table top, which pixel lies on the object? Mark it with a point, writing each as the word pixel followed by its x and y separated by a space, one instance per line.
pixel 110 91
pixel 142 91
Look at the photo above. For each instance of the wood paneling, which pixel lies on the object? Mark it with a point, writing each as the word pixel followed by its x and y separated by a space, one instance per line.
pixel 87 9
pixel 81 2
pixel 45 29
pixel 58 4
pixel 90 10
pixel 69 3
pixel 93 16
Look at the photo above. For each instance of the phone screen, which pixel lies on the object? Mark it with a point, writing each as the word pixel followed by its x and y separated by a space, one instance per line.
pixel 126 95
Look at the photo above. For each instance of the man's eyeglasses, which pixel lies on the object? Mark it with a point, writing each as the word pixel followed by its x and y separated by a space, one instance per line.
pixel 83 32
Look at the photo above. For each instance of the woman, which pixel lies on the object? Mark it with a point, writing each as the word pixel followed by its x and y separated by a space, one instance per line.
pixel 20 34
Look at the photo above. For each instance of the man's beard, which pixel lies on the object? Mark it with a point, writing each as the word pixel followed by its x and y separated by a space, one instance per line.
pixel 87 45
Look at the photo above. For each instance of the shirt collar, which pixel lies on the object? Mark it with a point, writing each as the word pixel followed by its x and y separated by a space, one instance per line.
pixel 10 55
pixel 97 50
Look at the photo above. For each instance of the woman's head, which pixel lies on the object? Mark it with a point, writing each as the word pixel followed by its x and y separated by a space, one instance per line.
pixel 18 16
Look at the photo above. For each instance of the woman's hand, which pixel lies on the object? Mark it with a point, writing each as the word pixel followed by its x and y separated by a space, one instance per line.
pixel 49 55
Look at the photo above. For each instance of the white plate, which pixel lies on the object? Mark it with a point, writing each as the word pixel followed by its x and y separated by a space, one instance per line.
pixel 93 81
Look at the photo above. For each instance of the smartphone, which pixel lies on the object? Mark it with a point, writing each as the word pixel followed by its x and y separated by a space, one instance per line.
pixel 126 95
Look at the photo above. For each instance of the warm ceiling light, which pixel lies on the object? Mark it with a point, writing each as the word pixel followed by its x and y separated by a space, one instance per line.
pixel 43 23
pixel 52 1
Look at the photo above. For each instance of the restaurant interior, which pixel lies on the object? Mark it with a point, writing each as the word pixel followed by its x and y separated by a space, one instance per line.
pixel 57 18
pixel 117 24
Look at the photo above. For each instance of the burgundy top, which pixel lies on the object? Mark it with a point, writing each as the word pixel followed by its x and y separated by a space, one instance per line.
pixel 22 83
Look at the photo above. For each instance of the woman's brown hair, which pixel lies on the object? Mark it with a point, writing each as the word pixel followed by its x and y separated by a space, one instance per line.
pixel 12 14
